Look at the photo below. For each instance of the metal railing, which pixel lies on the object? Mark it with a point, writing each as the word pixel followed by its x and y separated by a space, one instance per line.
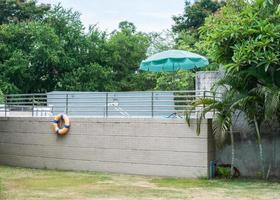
pixel 163 104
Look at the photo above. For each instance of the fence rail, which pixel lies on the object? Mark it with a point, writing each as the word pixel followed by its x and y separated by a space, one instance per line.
pixel 166 104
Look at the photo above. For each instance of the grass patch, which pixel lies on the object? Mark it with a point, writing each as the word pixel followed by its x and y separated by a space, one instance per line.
pixel 32 184
pixel 241 183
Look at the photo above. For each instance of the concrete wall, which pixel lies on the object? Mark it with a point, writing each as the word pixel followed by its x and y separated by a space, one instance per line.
pixel 206 79
pixel 247 150
pixel 247 156
pixel 134 146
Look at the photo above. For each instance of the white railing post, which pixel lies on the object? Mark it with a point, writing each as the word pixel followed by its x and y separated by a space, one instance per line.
pixel 33 105
pixel 66 101
pixel 106 107
pixel 5 105
pixel 152 104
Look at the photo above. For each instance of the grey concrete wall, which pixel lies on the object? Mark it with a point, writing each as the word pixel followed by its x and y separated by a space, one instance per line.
pixel 247 156
pixel 247 150
pixel 206 79
pixel 133 146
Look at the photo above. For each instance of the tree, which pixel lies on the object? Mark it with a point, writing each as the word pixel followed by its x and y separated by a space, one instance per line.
pixel 21 10
pixel 181 80
pixel 128 27
pixel 67 25
pixel 195 14
pixel 240 40
pixel 38 56
pixel 187 25
pixel 143 81
pixel 52 51
pixel 126 49
pixel 92 77
pixel 45 48
pixel 159 42
pixel 247 102
pixel 223 113
pixel 30 65
pixel 245 38
pixel 35 55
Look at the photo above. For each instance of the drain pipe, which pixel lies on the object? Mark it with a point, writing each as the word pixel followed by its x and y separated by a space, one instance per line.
pixel 212 169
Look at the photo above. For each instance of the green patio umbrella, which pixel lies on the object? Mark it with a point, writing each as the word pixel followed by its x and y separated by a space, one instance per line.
pixel 172 61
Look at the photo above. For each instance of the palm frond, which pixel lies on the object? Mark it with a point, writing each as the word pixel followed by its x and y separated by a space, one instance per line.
pixel 221 127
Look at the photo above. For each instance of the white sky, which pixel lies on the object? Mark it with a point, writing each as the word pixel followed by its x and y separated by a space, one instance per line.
pixel 147 15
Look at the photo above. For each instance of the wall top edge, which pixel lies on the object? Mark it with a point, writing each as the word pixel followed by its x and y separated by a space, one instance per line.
pixel 104 120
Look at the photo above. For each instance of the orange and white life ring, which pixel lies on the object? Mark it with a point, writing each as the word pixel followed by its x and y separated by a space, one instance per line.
pixel 61 119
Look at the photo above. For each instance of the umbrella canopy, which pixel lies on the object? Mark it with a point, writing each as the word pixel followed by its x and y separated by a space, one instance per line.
pixel 173 60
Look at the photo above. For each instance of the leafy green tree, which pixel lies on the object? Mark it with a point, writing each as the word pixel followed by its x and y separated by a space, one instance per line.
pixel 44 49
pixel 55 53
pixel 245 38
pixel 127 26
pixel 21 10
pixel 185 40
pixel 195 14
pixel 159 42
pixel 68 27
pixel 92 77
pixel 35 55
pixel 126 49
pixel 98 48
pixel 240 40
pixel 142 81
pixel 181 80
pixel 187 25
pixel 30 57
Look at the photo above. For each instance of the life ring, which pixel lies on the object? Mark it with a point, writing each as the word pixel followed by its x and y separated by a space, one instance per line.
pixel 57 120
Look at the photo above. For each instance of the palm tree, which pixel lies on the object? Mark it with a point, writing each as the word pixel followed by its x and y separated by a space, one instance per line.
pixel 247 86
pixel 241 86
pixel 259 102
pixel 247 91
pixel 251 105
pixel 223 114
pixel 269 103
pixel 271 100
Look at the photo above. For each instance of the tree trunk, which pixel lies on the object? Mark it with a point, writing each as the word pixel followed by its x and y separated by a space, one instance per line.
pixel 259 140
pixel 232 152
pixel 233 144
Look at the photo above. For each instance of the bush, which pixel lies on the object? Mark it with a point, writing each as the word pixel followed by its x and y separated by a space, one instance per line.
pixel 223 172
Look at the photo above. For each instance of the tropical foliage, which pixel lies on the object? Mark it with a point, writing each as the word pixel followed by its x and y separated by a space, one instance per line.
pixel 21 10
pixel 195 14
pixel 244 37
pixel 223 111
pixel 54 52
pixel 47 48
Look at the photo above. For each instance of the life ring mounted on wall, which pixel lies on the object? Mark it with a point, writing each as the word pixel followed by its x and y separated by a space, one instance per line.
pixel 61 120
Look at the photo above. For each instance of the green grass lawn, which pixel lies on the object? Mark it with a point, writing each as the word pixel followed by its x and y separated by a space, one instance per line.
pixel 30 184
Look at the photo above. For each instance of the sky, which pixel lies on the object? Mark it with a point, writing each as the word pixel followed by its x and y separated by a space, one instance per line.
pixel 147 15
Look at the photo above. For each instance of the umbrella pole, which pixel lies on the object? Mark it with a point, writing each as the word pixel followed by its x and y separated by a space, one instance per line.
pixel 173 77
